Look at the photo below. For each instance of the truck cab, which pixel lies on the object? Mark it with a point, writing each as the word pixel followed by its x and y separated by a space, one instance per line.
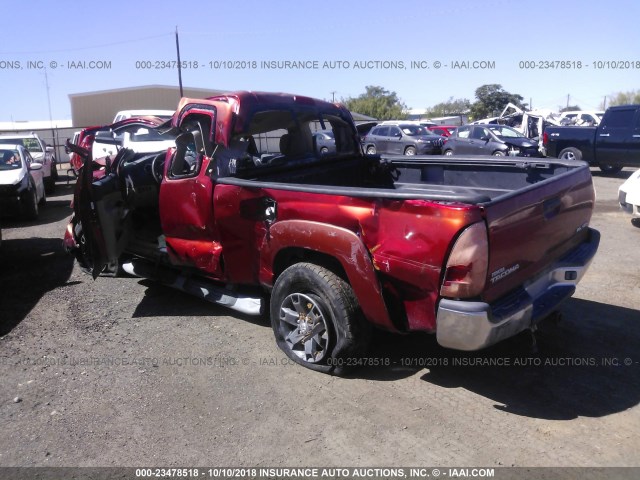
pixel 612 145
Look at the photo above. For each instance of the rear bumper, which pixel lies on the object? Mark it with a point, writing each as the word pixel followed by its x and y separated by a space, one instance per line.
pixel 464 325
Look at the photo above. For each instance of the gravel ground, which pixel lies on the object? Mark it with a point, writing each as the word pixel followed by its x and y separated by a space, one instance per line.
pixel 123 372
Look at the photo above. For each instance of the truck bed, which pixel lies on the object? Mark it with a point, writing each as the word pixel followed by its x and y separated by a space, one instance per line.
pixel 472 180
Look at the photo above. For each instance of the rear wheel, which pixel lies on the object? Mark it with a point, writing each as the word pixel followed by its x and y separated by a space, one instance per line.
pixel 371 150
pixel 50 184
pixel 610 169
pixel 410 150
pixel 324 151
pixel 635 222
pixel 30 203
pixel 498 153
pixel 316 319
pixel 570 153
pixel 448 153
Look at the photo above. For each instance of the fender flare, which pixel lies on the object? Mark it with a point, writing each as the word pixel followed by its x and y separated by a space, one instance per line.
pixel 339 243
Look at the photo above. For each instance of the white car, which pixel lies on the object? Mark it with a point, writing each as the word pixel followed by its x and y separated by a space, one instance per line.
pixel 40 152
pixel 629 197
pixel 21 182
pixel 124 114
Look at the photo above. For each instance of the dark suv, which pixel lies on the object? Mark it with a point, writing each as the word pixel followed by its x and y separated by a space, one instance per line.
pixel 402 139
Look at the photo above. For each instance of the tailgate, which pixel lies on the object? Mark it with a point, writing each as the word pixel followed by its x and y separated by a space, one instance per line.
pixel 531 228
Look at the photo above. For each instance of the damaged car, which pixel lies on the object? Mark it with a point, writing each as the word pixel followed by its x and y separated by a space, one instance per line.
pixel 245 212
pixel 496 140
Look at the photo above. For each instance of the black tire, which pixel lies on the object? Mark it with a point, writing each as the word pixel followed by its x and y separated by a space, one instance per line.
pixel 570 153
pixel 49 184
pixel 635 222
pixel 333 330
pixel 448 152
pixel 54 170
pixel 30 203
pixel 498 153
pixel 371 150
pixel 410 150
pixel 610 169
pixel 324 151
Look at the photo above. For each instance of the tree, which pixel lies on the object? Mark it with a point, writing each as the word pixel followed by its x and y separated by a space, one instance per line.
pixel 491 100
pixel 378 103
pixel 624 98
pixel 450 107
pixel 570 108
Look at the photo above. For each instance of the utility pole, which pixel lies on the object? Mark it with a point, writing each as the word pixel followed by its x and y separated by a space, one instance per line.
pixel 604 103
pixel 179 65
pixel 333 96
pixel 53 133
pixel 567 101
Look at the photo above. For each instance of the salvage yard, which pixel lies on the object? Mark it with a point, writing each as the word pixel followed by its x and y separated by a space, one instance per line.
pixel 125 372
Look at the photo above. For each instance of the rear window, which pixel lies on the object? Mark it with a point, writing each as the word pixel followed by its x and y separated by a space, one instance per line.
pixel 279 136
pixel 31 144
pixel 620 118
pixel 462 132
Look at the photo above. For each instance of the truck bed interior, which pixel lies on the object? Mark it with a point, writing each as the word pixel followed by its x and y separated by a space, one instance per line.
pixel 466 179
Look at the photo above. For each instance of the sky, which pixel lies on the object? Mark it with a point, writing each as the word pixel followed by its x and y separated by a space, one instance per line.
pixel 422 50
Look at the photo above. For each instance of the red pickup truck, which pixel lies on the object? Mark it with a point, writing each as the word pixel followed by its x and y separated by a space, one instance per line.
pixel 246 211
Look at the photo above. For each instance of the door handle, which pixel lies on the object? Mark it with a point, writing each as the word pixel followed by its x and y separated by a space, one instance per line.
pixel 604 134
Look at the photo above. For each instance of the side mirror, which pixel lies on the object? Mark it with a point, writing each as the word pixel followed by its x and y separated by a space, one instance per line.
pixel 397 135
pixel 35 166
pixel 49 148
pixel 485 139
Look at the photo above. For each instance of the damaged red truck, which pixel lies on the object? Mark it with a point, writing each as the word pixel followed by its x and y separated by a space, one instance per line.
pixel 249 212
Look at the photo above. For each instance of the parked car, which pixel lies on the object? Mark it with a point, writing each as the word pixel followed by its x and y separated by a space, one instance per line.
pixel 581 118
pixel 612 145
pixel 402 139
pixel 325 142
pixel 125 114
pixel 40 152
pixel 330 246
pixel 629 197
pixel 443 130
pixel 496 140
pixel 21 182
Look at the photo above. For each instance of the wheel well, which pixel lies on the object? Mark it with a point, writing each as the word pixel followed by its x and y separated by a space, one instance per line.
pixel 290 256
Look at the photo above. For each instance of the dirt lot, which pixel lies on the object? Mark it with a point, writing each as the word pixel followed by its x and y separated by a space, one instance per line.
pixel 122 372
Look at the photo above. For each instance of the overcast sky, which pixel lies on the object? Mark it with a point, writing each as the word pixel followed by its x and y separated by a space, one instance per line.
pixel 375 41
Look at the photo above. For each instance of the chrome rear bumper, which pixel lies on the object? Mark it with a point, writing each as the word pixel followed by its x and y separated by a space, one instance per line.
pixel 464 325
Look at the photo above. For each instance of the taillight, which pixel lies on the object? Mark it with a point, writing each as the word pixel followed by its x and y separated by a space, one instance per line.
pixel 545 138
pixel 466 269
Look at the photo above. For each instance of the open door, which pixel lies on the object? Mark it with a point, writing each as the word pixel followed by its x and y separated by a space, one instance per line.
pixel 186 195
pixel 101 215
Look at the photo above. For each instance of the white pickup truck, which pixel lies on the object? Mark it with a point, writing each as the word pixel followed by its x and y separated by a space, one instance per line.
pixel 40 152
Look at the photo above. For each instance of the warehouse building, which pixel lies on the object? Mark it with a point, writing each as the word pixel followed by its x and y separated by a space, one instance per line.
pixel 99 108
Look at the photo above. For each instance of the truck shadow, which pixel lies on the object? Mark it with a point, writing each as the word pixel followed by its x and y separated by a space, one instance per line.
pixel 22 266
pixel 163 301
pixel 586 365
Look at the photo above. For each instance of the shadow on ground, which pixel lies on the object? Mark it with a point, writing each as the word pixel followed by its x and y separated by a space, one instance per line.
pixel 29 268
pixel 588 364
